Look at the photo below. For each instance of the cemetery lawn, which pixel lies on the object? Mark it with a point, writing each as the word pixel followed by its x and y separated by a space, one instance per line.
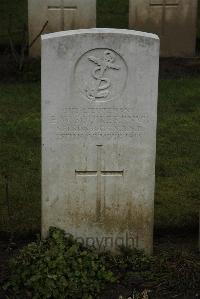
pixel 20 157
pixel 178 155
pixel 177 167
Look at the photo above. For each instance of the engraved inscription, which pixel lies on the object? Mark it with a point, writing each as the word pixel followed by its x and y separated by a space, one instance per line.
pixel 107 122
pixel 101 75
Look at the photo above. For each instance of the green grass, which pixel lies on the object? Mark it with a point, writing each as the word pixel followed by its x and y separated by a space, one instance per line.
pixel 178 155
pixel 178 169
pixel 20 155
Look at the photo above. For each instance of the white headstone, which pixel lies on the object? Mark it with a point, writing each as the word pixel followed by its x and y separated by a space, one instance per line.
pixel 99 109
pixel 58 15
pixel 175 22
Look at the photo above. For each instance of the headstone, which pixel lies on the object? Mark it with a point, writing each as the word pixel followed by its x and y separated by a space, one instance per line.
pixel 46 16
pixel 99 99
pixel 174 21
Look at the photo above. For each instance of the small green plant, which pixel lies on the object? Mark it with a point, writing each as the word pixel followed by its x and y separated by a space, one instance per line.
pixel 58 267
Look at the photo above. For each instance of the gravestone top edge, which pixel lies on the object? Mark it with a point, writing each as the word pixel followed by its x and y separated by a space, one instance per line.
pixel 99 31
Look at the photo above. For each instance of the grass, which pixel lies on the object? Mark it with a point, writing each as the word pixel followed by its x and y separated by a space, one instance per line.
pixel 177 168
pixel 20 156
pixel 178 171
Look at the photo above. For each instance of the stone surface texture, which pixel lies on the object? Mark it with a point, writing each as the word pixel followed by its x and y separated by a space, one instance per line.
pixel 61 15
pixel 175 22
pixel 99 110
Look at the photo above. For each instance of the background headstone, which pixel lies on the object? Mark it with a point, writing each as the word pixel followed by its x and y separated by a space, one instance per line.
pixel 175 22
pixel 99 109
pixel 61 15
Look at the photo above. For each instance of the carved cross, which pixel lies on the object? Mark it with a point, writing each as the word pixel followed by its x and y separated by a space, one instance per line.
pixel 62 8
pixel 164 4
pixel 99 173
